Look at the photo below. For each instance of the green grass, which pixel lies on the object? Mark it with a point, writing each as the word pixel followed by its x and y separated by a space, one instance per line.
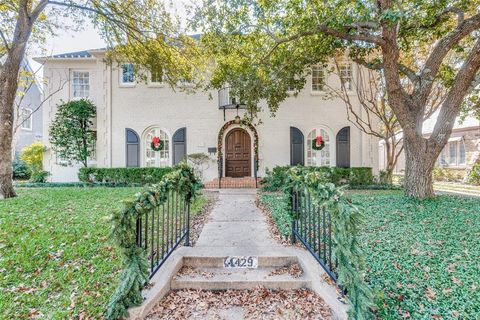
pixel 56 260
pixel 423 257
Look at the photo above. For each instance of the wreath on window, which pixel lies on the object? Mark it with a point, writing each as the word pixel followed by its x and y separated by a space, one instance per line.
pixel 318 143
pixel 157 144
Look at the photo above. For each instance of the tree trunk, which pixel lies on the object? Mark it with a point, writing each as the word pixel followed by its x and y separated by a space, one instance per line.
pixel 8 91
pixel 419 163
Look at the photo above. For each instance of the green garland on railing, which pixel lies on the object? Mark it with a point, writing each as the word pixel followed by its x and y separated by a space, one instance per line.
pixel 345 221
pixel 135 273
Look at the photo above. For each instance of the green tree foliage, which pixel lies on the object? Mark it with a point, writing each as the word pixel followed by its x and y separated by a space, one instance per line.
pixel 71 132
pixel 265 48
pixel 144 33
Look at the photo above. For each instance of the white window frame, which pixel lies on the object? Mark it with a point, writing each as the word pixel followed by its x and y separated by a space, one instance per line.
pixel 73 85
pixel 161 158
pixel 122 82
pixel 346 67
pixel 320 155
pixel 28 120
pixel 321 69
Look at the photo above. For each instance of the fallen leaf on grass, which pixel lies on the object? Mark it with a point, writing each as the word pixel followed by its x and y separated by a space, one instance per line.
pixel 430 294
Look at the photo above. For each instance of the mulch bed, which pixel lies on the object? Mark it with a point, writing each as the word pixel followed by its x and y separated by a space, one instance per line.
pixel 255 304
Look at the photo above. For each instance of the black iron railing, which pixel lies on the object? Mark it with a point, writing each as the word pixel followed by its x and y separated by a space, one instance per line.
pixel 312 225
pixel 163 228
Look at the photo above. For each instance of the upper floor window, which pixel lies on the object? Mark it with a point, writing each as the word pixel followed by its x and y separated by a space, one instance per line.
pixel 346 75
pixel 26 118
pixel 128 74
pixel 80 84
pixel 318 78
pixel 156 75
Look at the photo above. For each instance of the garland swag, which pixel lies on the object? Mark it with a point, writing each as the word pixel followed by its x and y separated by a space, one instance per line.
pixel 346 218
pixel 135 273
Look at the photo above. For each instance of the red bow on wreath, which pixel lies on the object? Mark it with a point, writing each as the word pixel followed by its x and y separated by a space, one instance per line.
pixel 318 143
pixel 156 141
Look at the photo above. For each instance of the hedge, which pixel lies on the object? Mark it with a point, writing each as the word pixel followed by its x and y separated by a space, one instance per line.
pixel 123 176
pixel 356 176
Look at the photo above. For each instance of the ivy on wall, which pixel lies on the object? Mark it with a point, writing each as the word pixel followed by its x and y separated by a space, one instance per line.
pixel 135 273
pixel 345 229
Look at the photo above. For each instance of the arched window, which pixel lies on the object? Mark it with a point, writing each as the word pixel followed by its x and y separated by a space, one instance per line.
pixel 160 158
pixel 319 157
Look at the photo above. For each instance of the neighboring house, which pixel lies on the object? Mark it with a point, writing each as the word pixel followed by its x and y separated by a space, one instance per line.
pixel 28 111
pixel 131 113
pixel 459 154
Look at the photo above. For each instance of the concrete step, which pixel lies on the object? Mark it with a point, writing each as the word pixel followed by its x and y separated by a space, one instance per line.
pixel 217 261
pixel 219 278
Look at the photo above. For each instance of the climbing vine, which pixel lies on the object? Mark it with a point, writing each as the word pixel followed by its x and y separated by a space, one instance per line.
pixel 135 272
pixel 346 248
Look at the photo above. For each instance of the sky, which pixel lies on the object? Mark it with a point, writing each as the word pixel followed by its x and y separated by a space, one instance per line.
pixel 89 38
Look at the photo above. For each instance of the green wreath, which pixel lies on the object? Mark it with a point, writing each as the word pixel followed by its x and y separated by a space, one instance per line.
pixel 157 144
pixel 316 146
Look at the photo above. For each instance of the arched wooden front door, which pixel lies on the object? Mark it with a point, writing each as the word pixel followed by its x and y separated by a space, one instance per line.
pixel 238 154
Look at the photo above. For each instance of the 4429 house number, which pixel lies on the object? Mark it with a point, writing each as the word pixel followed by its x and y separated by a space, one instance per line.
pixel 240 262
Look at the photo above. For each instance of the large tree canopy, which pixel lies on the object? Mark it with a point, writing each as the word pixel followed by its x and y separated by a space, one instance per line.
pixel 143 32
pixel 265 47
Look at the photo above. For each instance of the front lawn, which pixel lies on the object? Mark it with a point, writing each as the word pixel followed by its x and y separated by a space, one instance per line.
pixel 423 258
pixel 56 260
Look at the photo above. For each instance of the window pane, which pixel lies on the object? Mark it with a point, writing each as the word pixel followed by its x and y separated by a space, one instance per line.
pixel 159 158
pixel 26 119
pixel 80 84
pixel 346 75
pixel 453 153
pixel 128 75
pixel 318 157
pixel 156 75
pixel 461 153
pixel 318 78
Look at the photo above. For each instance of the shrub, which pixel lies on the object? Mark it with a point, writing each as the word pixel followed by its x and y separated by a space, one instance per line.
pixel 21 170
pixel 123 176
pixel 32 155
pixel 474 176
pixel 356 176
pixel 39 177
pixel 447 174
pixel 278 205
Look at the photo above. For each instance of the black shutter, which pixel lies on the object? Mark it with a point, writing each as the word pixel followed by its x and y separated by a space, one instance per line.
pixel 132 148
pixel 343 148
pixel 179 145
pixel 296 147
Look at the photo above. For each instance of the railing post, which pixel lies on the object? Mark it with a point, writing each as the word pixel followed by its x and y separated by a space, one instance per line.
pixel 139 233
pixel 187 236
pixel 294 211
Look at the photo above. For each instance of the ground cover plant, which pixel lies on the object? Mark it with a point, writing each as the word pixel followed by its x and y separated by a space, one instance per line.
pixel 421 256
pixel 56 259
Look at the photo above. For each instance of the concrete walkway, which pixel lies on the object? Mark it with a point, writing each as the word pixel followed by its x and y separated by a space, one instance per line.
pixel 236 221
pixel 237 228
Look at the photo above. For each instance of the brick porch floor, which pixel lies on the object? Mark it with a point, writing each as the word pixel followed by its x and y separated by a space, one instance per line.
pixel 227 182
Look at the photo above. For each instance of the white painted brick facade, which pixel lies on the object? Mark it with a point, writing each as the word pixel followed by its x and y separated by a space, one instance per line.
pixel 143 106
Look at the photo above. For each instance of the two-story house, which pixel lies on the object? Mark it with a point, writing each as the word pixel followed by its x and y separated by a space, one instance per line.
pixel 131 112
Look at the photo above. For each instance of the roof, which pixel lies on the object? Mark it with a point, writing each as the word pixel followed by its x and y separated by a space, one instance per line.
pixel 76 54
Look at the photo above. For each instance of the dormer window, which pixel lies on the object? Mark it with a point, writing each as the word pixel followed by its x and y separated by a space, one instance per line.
pixel 128 74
